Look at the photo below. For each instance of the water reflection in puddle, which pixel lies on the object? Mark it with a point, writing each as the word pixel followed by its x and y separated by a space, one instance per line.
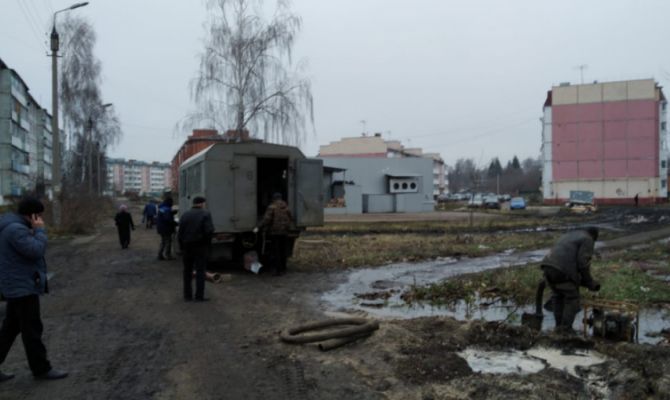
pixel 377 291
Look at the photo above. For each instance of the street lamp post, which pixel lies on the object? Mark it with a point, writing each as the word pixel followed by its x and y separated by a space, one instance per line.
pixel 55 131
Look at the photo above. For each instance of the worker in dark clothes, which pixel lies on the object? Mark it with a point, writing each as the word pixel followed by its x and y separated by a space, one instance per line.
pixel 195 235
pixel 566 268
pixel 636 199
pixel 124 223
pixel 277 222
pixel 23 279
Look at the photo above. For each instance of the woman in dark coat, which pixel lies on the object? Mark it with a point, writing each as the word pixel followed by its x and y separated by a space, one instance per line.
pixel 124 223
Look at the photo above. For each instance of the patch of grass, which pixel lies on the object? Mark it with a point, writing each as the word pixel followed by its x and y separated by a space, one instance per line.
pixel 624 276
pixel 319 252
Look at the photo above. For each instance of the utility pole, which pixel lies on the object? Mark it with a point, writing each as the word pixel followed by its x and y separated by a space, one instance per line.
pixel 56 174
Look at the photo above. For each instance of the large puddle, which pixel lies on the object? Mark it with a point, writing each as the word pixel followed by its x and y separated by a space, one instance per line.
pixel 382 287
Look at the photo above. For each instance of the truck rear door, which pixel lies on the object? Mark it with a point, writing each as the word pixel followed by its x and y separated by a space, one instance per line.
pixel 244 192
pixel 309 192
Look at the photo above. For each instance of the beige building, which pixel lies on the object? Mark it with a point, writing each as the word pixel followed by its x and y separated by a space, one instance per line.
pixel 376 147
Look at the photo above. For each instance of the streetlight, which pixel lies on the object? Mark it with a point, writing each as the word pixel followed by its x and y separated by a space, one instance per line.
pixel 55 131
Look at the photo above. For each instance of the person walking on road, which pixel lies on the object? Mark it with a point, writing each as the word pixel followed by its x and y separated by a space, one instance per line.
pixel 277 221
pixel 195 234
pixel 165 226
pixel 149 214
pixel 124 223
pixel 23 278
pixel 566 268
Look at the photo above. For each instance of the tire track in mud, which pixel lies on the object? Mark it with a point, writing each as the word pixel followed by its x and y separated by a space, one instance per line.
pixel 292 375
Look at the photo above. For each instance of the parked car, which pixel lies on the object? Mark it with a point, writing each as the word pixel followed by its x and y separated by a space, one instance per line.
pixel 491 202
pixel 504 197
pixel 477 200
pixel 517 203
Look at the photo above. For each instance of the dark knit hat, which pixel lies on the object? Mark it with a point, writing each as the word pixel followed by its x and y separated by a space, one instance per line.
pixel 198 200
pixel 277 196
pixel 30 206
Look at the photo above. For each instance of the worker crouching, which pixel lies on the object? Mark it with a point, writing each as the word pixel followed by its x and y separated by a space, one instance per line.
pixel 566 268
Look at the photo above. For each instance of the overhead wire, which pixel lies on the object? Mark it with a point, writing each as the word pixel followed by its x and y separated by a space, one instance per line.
pixel 30 22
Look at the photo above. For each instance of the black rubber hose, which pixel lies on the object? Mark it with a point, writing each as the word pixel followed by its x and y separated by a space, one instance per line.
pixel 362 326
pixel 335 343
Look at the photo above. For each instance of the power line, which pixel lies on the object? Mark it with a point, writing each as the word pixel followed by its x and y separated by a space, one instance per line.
pixel 30 22
pixel 38 14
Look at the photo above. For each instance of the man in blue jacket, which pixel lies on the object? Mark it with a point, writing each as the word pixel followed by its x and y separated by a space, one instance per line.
pixel 166 227
pixel 23 244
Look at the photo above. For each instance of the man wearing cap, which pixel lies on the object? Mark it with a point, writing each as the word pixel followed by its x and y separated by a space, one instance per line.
pixel 195 234
pixel 566 268
pixel 277 221
pixel 23 243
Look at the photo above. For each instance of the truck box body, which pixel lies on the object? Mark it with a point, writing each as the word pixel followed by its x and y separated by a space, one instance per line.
pixel 238 181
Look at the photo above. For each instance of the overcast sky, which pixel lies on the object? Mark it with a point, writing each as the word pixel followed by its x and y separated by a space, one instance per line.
pixel 463 78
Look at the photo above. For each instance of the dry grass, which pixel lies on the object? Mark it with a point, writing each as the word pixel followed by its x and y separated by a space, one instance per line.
pixel 318 252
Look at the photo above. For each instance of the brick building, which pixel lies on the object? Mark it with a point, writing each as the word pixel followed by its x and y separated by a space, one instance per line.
pixel 199 140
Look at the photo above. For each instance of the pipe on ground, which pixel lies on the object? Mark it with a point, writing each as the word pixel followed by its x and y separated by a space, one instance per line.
pixel 333 338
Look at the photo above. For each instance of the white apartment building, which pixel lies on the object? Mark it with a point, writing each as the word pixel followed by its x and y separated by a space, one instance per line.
pixel 132 176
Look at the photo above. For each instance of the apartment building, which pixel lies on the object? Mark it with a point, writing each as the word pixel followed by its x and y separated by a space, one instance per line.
pixel 25 140
pixel 133 176
pixel 376 147
pixel 608 138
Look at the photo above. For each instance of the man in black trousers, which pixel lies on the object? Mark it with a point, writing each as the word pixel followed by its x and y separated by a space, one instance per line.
pixel 195 234
pixel 23 244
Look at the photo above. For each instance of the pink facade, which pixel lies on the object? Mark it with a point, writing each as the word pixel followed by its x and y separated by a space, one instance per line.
pixel 605 140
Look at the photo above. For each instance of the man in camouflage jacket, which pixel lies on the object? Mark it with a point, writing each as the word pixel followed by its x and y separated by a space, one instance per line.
pixel 277 221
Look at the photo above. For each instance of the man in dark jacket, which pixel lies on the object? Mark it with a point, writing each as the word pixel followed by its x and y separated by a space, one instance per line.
pixel 195 234
pixel 277 221
pixel 165 226
pixel 566 268
pixel 23 279
pixel 124 223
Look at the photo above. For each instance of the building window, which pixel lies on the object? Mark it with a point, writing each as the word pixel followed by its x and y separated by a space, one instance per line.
pixel 663 126
pixel 663 164
pixel 663 183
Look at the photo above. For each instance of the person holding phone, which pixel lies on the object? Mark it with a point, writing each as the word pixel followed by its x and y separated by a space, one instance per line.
pixel 23 278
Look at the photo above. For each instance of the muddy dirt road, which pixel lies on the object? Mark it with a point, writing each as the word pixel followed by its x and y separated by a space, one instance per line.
pixel 115 319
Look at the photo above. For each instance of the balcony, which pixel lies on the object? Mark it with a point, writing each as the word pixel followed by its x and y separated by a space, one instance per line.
pixel 20 168
pixel 18 143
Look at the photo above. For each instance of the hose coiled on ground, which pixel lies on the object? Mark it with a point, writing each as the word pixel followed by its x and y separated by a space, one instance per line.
pixel 333 338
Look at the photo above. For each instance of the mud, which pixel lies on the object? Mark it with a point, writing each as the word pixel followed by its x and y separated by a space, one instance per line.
pixel 115 319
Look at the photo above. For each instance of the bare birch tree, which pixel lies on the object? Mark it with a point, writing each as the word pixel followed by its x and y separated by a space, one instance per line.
pixel 245 80
pixel 94 128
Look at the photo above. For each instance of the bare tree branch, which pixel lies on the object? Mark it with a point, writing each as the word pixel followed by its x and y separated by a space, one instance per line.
pixel 244 81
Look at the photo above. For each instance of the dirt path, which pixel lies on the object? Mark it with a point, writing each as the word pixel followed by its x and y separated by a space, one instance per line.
pixel 116 321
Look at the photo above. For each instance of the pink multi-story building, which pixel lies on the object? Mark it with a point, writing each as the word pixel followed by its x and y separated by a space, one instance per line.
pixel 608 138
